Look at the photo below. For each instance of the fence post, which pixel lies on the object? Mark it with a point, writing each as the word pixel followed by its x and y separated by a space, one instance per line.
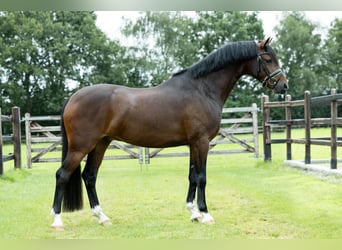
pixel 28 140
pixel 266 129
pixel 288 117
pixel 333 113
pixel 141 156
pixel 147 156
pixel 16 136
pixel 1 162
pixel 307 118
pixel 255 130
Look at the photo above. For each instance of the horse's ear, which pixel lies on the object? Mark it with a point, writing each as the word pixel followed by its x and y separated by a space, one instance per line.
pixel 268 41
pixel 265 43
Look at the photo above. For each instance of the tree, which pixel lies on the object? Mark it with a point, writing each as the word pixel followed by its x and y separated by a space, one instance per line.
pixel 299 48
pixel 156 36
pixel 40 52
pixel 333 54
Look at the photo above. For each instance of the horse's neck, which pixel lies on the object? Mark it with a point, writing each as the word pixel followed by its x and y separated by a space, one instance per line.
pixel 222 82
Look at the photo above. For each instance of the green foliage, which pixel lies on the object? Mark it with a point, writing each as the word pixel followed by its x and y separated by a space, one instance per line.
pixel 42 51
pixel 298 49
pixel 14 175
pixel 304 59
pixel 333 49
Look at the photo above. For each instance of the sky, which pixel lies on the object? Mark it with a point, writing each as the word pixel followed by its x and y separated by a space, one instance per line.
pixel 110 21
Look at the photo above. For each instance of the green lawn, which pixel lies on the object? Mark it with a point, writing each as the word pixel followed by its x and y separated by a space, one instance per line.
pixel 248 198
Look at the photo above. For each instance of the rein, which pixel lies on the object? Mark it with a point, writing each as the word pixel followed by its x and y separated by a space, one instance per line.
pixel 270 81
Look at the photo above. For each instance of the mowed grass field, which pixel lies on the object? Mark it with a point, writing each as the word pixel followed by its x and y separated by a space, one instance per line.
pixel 248 198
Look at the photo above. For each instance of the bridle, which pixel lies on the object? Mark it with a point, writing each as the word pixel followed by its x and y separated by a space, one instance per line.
pixel 270 81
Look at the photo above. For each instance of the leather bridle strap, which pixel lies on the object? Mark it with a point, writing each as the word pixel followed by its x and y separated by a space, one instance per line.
pixel 270 81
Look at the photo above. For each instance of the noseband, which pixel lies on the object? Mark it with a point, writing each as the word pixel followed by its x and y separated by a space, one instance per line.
pixel 270 81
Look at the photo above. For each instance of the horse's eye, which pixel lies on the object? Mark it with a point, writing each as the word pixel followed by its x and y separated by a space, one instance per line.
pixel 268 60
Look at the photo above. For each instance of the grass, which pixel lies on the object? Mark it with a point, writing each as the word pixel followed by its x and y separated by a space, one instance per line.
pixel 248 198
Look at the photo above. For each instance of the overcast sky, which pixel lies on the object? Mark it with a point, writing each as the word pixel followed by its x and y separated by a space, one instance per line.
pixel 110 21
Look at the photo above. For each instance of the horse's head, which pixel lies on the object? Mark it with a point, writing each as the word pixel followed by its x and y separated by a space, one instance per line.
pixel 267 68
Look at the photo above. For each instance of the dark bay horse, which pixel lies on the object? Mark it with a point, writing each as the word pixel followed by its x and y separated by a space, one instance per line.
pixel 184 110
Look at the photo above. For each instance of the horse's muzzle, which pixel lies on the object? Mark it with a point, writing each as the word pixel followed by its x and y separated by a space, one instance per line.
pixel 281 87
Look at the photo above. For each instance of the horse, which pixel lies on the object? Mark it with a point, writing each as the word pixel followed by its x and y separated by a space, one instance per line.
pixel 186 109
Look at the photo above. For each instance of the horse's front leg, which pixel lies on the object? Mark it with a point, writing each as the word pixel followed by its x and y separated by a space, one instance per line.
pixel 89 178
pixel 197 179
pixel 195 214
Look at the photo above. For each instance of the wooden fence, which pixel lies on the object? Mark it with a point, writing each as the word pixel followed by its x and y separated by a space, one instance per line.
pixel 308 102
pixel 36 134
pixel 40 140
pixel 14 138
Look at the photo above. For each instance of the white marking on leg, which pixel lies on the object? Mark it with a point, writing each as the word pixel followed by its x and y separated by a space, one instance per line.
pixel 57 220
pixel 103 219
pixel 195 214
pixel 207 219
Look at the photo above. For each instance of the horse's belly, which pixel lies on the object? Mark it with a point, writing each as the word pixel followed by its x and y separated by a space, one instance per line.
pixel 148 137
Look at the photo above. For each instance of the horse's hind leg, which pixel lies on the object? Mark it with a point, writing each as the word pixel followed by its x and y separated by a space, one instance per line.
pixel 69 171
pixel 89 176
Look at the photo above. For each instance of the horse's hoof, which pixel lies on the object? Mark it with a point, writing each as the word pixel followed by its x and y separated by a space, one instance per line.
pixel 208 219
pixel 106 223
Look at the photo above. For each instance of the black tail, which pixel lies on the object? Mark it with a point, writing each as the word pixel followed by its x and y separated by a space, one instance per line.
pixel 73 199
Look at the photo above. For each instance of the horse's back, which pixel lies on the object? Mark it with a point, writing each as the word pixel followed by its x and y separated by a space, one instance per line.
pixel 92 93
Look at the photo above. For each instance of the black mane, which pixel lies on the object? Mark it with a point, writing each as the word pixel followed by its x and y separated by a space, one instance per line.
pixel 227 54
